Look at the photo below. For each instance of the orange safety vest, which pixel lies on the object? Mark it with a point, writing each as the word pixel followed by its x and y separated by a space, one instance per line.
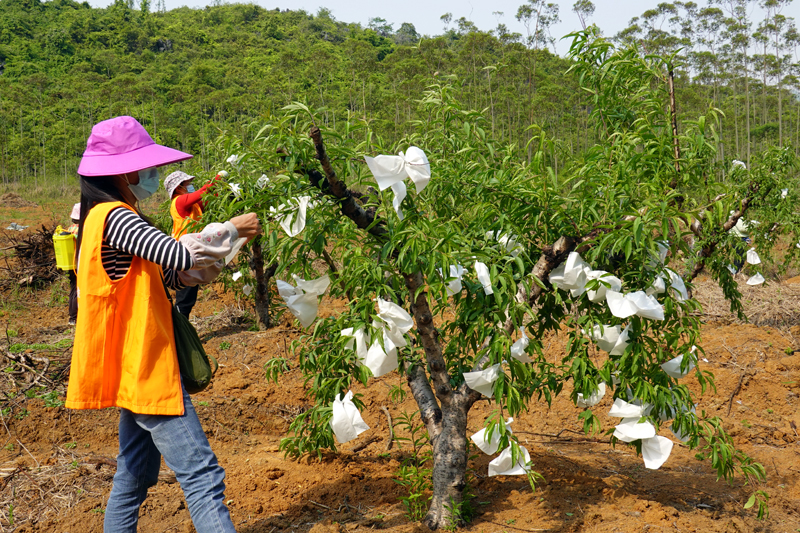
pixel 124 353
pixel 180 224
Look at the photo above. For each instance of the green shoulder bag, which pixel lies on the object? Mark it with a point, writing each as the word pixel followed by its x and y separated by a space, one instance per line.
pixel 196 366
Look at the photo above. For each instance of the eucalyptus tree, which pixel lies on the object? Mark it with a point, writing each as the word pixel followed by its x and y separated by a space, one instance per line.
pixel 487 259
pixel 737 32
pixel 651 30
pixel 584 9
pixel 537 16
pixel 707 34
pixel 777 28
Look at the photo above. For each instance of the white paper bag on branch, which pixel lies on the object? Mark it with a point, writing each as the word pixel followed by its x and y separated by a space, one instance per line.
pixel 394 315
pixel 346 422
pixel 647 306
pixel 381 360
pixel 489 446
pixel 599 296
pixel 620 306
pixel 503 465
pixel 391 170
pixel 315 286
pixel 655 451
pixel 677 286
pixel 359 339
pixel 634 303
pixel 659 286
pixel 630 429
pixel 483 380
pixel 752 257
pixel 659 259
pixel 611 339
pixel 593 398
pixel 295 221
pixel 518 348
pixel 456 273
pixel 623 409
pixel 673 366
pixel 483 276
pixel 571 274
pixel 509 242
pixel 302 300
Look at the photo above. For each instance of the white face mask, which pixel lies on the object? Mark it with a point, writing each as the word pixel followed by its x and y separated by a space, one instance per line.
pixel 190 188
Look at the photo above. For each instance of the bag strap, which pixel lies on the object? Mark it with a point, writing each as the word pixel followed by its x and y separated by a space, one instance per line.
pixel 166 289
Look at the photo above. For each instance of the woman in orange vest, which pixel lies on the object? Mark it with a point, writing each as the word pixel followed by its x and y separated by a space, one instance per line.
pixel 186 205
pixel 124 352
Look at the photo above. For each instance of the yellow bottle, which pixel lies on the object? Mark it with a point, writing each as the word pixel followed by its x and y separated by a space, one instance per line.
pixel 64 243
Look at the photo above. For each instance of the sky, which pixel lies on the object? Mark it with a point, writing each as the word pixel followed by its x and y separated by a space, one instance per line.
pixel 610 15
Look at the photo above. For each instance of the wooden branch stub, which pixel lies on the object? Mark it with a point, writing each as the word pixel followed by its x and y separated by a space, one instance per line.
pixel 390 440
pixel 361 446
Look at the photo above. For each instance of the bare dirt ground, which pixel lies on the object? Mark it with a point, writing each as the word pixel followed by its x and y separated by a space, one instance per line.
pixel 56 465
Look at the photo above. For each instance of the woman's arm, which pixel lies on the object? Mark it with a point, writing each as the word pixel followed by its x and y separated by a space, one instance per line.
pixel 185 202
pixel 127 232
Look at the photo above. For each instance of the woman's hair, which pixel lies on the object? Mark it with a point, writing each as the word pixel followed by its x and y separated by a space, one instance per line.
pixel 97 190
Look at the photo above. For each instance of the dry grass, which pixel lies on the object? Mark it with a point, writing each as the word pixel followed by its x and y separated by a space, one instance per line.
pixel 774 304
pixel 35 494
pixel 231 316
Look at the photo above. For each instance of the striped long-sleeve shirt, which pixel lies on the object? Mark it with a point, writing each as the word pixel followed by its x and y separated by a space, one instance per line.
pixel 127 234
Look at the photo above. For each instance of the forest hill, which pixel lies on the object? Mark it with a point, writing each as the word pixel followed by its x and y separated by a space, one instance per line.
pixel 188 74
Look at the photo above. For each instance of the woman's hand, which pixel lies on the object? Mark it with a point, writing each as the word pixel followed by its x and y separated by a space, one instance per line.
pixel 247 225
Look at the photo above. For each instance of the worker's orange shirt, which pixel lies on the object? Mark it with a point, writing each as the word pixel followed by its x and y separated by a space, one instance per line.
pixel 180 224
pixel 124 353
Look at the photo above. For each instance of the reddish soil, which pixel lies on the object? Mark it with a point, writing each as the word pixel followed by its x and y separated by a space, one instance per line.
pixel 56 465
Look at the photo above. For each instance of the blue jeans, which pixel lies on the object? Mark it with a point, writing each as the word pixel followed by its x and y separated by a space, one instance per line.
pixel 143 439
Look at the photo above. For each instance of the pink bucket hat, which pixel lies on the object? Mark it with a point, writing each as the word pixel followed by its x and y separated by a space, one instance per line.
pixel 121 145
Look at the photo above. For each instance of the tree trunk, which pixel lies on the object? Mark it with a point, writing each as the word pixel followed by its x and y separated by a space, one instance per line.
pixel 673 113
pixel 747 105
pixel 449 469
pixel 736 120
pixel 797 132
pixel 262 290
pixel 780 110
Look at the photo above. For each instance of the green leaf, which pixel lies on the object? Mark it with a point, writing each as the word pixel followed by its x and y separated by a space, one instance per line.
pixel 750 502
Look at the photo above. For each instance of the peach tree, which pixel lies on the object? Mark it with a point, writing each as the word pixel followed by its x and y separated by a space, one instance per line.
pixel 455 281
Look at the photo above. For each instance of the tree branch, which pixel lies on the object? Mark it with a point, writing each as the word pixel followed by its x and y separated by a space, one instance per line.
pixel 418 382
pixel 429 337
pixel 551 257
pixel 429 410
pixel 338 188
pixel 711 245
